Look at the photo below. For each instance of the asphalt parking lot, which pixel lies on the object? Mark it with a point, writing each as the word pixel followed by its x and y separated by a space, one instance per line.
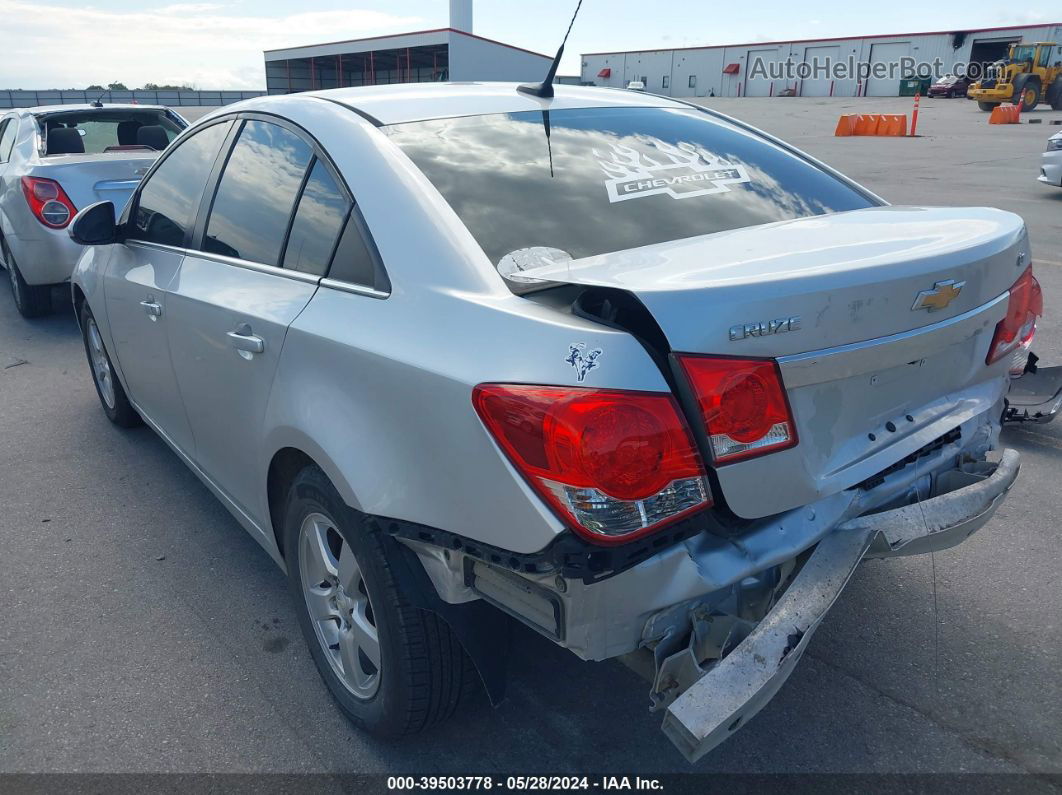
pixel 143 630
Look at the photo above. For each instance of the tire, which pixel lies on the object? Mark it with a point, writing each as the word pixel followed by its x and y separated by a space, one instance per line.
pixel 112 396
pixel 987 106
pixel 1026 91
pixel 422 671
pixel 1054 94
pixel 31 300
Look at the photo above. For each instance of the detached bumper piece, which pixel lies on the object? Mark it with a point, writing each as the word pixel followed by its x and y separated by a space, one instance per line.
pixel 1035 397
pixel 724 697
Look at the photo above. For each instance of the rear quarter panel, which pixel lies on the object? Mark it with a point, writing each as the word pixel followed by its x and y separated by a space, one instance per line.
pixel 379 391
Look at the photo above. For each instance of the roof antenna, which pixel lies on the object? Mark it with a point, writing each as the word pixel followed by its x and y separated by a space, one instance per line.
pixel 98 102
pixel 546 89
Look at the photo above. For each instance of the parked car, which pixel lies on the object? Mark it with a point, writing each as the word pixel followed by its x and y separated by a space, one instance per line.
pixel 636 85
pixel 948 86
pixel 55 159
pixel 1051 162
pixel 631 372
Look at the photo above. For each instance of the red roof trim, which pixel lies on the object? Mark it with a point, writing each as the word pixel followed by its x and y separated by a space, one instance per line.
pixel 412 33
pixel 972 32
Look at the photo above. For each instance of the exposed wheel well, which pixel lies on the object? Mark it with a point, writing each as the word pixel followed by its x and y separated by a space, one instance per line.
pixel 286 464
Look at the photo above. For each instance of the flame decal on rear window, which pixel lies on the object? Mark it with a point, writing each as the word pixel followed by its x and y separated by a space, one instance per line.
pixel 681 171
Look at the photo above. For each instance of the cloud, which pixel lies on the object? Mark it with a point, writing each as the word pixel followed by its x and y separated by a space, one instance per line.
pixel 202 44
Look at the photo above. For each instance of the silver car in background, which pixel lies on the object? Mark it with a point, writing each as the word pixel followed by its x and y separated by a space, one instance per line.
pixel 625 370
pixel 55 160
pixel 1051 162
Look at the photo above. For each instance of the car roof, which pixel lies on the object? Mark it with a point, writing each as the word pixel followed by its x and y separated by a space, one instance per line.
pixel 45 109
pixel 406 102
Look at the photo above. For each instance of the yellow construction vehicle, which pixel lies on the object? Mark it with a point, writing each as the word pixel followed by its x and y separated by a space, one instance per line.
pixel 1029 74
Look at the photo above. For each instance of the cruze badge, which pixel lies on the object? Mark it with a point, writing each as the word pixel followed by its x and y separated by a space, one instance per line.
pixel 766 328
pixel 942 294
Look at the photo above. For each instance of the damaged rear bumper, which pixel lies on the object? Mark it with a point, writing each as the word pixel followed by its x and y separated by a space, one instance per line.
pixel 1035 397
pixel 736 687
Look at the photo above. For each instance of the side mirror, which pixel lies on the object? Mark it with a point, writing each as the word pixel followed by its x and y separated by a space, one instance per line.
pixel 95 225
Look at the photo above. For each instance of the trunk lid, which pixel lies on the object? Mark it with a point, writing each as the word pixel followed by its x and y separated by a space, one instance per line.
pixel 874 315
pixel 89 178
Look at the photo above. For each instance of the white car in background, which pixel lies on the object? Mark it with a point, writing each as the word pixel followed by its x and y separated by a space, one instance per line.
pixel 1051 168
pixel 55 160
pixel 636 85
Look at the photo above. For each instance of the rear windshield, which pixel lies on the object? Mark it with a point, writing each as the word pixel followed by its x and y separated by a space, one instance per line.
pixel 108 128
pixel 576 183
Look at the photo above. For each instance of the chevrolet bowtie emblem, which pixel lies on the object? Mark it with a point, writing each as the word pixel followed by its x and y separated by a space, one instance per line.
pixel 942 294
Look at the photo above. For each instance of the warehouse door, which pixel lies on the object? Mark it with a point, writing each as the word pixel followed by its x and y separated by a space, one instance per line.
pixel 889 56
pixel 759 85
pixel 986 51
pixel 819 61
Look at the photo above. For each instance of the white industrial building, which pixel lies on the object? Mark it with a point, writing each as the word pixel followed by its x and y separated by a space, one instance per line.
pixel 727 70
pixel 452 53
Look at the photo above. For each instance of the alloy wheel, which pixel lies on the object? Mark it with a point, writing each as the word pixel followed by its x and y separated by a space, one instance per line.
pixel 338 603
pixel 101 365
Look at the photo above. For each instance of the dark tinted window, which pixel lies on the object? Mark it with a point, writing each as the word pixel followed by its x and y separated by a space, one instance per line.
pixel 256 193
pixel 318 221
pixel 168 202
pixel 8 128
pixel 353 262
pixel 609 179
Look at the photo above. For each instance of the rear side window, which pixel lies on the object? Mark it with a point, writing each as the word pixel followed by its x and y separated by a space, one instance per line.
pixel 169 199
pixel 596 180
pixel 7 138
pixel 319 218
pixel 354 261
pixel 257 193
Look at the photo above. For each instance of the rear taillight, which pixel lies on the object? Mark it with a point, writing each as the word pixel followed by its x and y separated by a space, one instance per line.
pixel 48 201
pixel 613 464
pixel 743 403
pixel 1024 305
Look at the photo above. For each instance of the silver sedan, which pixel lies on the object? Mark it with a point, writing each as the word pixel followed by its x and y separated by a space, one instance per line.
pixel 55 159
pixel 623 369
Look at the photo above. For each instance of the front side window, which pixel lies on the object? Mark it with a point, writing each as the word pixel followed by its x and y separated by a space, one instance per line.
pixel 597 180
pixel 168 201
pixel 256 193
pixel 322 209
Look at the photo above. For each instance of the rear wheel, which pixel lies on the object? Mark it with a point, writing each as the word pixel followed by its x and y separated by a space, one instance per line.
pixel 31 300
pixel 1054 94
pixel 112 396
pixel 987 106
pixel 392 668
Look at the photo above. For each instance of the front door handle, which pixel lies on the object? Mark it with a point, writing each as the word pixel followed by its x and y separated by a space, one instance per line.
pixel 153 308
pixel 243 340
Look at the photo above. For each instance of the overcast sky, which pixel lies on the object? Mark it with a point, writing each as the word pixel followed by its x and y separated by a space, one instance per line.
pixel 215 45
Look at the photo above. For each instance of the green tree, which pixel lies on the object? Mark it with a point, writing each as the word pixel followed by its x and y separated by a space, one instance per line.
pixel 117 87
pixel 157 87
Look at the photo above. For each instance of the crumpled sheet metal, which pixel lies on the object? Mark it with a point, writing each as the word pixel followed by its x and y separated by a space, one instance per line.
pixel 739 685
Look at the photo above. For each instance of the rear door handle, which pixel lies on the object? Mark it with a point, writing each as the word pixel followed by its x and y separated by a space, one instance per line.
pixel 243 340
pixel 153 308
